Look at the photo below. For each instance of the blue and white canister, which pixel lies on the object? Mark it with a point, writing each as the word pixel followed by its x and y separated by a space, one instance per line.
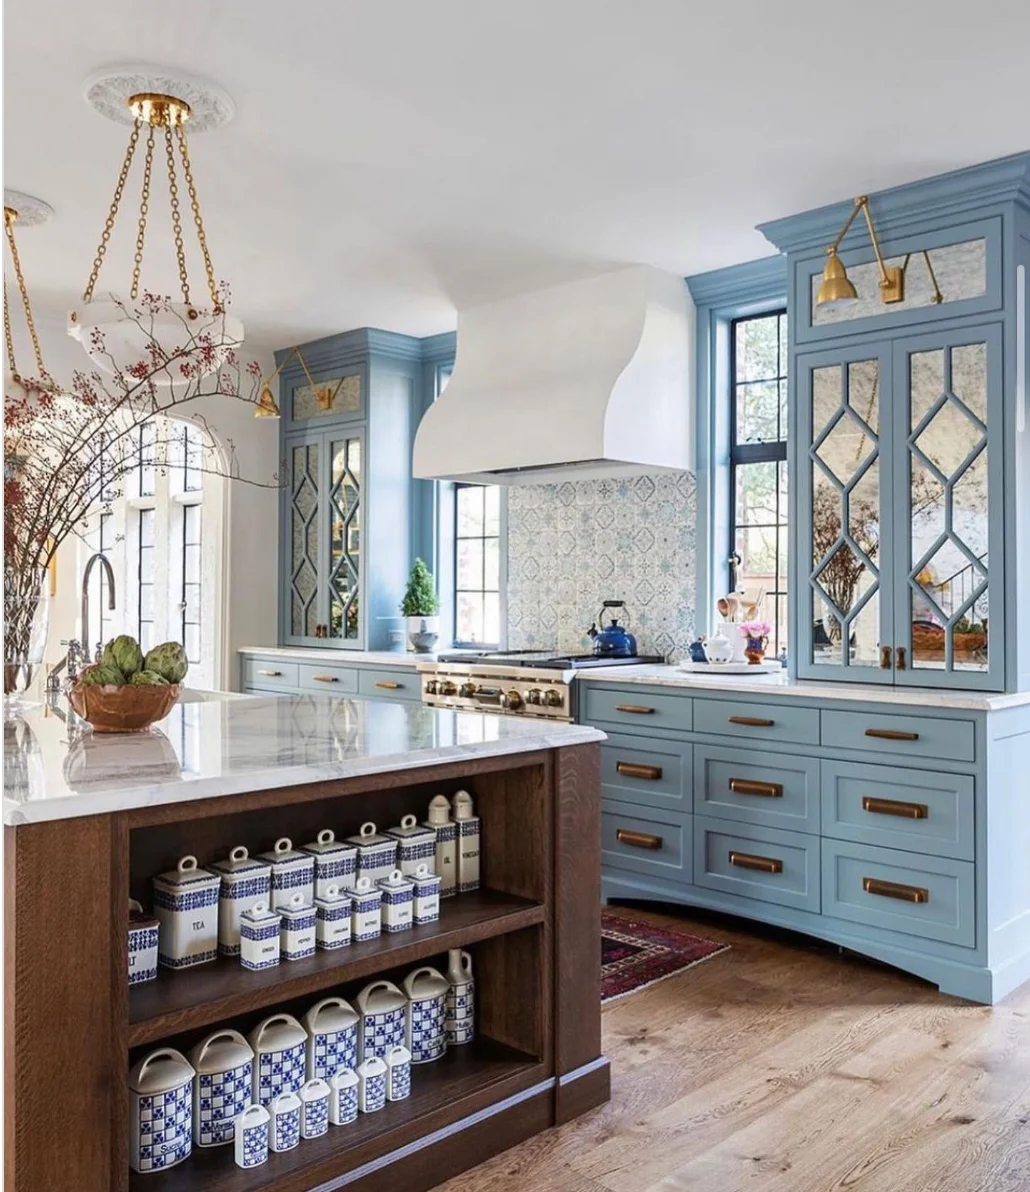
pixel 397 907
pixel 293 872
pixel 366 921
pixel 426 900
pixel 371 1084
pixel 416 844
pixel 297 929
pixel 280 1057
pixel 343 1097
pixel 384 1013
pixel 332 1026
pixel 284 1128
pixel 143 933
pixel 333 919
pixel 377 855
pixel 336 862
pixel 244 881
pixel 259 937
pixel 461 996
pixel 398 1074
pixel 186 904
pixel 160 1111
pixel 251 1146
pixel 468 828
pixel 426 1036
pixel 314 1108
pixel 446 843
pixel 223 1088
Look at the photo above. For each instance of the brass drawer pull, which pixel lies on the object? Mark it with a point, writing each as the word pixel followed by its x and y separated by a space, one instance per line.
pixel 325 678
pixel 388 685
pixel 891 734
pixel 271 674
pixel 874 885
pixel 752 721
pixel 750 861
pixel 632 770
pixel 744 786
pixel 636 709
pixel 895 807
pixel 637 839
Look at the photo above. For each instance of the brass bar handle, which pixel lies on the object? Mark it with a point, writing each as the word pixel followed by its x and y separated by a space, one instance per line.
pixel 750 861
pixel 885 658
pixel 637 839
pixel 900 652
pixel 635 709
pixel 744 786
pixel 895 807
pixel 388 685
pixel 875 885
pixel 891 734
pixel 752 721
pixel 632 770
pixel 271 674
pixel 325 678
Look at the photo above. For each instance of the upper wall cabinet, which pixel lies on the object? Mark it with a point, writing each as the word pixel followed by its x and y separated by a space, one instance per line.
pixel 327 396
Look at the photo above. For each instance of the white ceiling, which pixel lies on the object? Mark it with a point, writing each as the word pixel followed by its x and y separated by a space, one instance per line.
pixel 393 160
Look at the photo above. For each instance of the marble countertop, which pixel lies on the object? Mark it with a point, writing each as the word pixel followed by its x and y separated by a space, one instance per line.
pixel 56 768
pixel 340 657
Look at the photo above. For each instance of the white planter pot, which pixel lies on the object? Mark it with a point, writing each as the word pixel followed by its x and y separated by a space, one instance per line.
pixel 423 633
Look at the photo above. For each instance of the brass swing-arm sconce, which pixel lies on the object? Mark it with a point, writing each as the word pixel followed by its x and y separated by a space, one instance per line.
pixel 268 407
pixel 837 289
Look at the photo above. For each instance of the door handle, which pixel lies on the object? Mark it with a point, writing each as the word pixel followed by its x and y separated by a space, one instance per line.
pixel 895 807
pixel 744 786
pixel 891 734
pixel 637 839
pixel 885 658
pixel 388 685
pixel 632 770
pixel 750 861
pixel 752 721
pixel 900 652
pixel 875 885
pixel 635 709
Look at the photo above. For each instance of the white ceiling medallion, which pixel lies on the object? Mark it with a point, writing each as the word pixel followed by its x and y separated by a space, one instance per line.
pixel 31 211
pixel 109 91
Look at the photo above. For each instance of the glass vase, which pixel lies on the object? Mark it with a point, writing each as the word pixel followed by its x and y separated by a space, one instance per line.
pixel 26 620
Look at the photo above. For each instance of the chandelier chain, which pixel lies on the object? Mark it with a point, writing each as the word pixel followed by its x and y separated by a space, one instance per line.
pixel 144 208
pixel 105 236
pixel 8 336
pixel 198 219
pixel 29 321
pixel 173 191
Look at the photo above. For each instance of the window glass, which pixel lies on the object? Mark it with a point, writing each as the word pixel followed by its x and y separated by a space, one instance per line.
pixel 477 556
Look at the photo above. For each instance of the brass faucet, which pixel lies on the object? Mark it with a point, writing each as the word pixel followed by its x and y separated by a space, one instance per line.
pixel 104 562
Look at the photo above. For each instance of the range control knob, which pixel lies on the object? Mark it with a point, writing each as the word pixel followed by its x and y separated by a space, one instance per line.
pixel 431 686
pixel 533 695
pixel 512 700
pixel 467 690
pixel 446 687
pixel 553 699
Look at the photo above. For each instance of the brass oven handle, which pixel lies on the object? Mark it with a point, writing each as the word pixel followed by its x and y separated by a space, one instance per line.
pixel 744 786
pixel 636 709
pixel 874 885
pixel 891 734
pixel 637 839
pixel 325 678
pixel 752 721
pixel 750 861
pixel 895 807
pixel 271 674
pixel 632 770
pixel 387 684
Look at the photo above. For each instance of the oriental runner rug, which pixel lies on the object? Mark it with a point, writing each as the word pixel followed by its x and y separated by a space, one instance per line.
pixel 635 955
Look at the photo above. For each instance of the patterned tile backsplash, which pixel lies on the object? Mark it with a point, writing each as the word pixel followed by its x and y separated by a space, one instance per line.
pixel 575 544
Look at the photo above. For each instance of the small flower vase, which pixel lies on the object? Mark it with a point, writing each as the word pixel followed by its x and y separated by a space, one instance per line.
pixel 26 618
pixel 755 650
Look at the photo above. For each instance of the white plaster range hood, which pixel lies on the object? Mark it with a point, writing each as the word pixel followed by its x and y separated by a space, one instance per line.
pixel 584 380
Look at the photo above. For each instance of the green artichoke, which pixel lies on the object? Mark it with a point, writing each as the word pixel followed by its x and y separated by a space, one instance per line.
pixel 102 675
pixel 148 678
pixel 169 661
pixel 124 653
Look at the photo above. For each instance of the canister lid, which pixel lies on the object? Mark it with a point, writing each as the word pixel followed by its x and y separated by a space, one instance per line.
pixel 425 982
pixel 259 913
pixel 423 876
pixel 160 1071
pixel 185 874
pixel 222 1050
pixel 439 810
pixel 373 1066
pixel 395 881
pixel 277 1032
pixel 363 888
pixel 253 1115
pixel 408 827
pixel 380 996
pixel 239 863
pixel 314 1089
pixel 138 917
pixel 284 852
pixel 327 843
pixel 296 907
pixel 334 896
pixel 330 1014
pixel 286 1102
pixel 368 836
pixel 462 805
pixel 345 1078
pixel 397 1055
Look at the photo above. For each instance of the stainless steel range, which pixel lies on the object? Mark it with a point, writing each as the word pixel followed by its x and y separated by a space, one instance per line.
pixel 532 683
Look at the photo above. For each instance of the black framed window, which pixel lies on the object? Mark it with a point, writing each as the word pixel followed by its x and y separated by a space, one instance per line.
pixel 758 466
pixel 146 579
pixel 477 565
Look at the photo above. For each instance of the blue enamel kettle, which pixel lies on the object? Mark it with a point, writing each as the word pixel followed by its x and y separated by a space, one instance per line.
pixel 612 640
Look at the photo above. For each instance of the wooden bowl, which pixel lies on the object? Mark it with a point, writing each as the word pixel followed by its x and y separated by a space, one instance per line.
pixel 125 709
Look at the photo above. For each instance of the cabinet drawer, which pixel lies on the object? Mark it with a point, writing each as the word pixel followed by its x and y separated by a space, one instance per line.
pixel 757 722
pixel 269 673
pixel 332 680
pixel 644 841
pixel 779 791
pixel 907 736
pixel 390 684
pixel 919 895
pixel 648 773
pixel 762 863
pixel 638 710
pixel 257 689
pixel 922 810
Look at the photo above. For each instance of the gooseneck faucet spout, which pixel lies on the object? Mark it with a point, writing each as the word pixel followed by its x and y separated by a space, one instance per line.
pixel 104 562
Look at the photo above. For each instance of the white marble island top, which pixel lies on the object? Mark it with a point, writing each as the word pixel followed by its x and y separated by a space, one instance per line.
pixel 57 768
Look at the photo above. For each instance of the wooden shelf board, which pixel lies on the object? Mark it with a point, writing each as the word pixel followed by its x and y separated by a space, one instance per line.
pixel 180 1001
pixel 463 1081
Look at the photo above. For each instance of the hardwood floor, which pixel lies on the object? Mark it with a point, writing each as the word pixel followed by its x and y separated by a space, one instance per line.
pixel 781 1066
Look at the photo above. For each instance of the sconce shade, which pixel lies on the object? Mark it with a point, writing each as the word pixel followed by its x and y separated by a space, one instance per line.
pixel 267 406
pixel 836 288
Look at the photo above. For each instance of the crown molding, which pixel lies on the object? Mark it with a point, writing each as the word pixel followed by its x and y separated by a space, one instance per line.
pixel 438 348
pixel 354 347
pixel 763 280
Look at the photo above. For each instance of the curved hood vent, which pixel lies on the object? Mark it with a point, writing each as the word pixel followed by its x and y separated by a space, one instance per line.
pixel 583 380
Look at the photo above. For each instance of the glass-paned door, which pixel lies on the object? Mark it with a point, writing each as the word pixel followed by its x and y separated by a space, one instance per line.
pixel 304 557
pixel 843 571
pixel 948 399
pixel 345 518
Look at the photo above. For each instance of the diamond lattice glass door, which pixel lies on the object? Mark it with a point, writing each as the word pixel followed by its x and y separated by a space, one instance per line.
pixel 345 517
pixel 304 545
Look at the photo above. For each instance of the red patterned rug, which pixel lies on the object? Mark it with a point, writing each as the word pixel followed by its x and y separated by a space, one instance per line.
pixel 635 955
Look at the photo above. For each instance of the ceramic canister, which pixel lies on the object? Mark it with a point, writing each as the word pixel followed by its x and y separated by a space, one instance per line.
pixel 371 1084
pixel 446 843
pixel 143 933
pixel 251 1146
pixel 297 929
pixel 284 1128
pixel 343 1097
pixel 377 855
pixel 160 1111
pixel 426 1037
pixel 468 826
pixel 280 1059
pixel 333 918
pixel 314 1113
pixel 366 916
pixel 398 1074
pixel 416 844
pixel 461 992
pixel 259 937
pixel 397 908
pixel 245 880
pixel 293 872
pixel 336 862
pixel 332 1028
pixel 186 904
pixel 384 1012
pixel 224 1063
pixel 426 900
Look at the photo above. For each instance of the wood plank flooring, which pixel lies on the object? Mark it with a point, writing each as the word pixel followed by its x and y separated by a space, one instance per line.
pixel 781 1066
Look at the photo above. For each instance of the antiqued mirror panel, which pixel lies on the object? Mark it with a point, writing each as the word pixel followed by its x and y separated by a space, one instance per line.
pixel 339 395
pixel 345 539
pixel 304 545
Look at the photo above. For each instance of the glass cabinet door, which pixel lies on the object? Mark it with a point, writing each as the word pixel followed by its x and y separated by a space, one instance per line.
pixel 345 518
pixel 304 556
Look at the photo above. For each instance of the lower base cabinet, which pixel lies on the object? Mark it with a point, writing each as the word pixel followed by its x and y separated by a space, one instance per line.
pixel 762 863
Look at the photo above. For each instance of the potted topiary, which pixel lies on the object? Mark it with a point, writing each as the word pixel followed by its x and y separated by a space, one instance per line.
pixel 420 605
